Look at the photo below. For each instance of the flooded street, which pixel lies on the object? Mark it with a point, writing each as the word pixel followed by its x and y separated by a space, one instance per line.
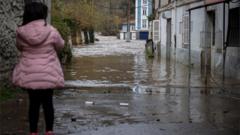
pixel 112 88
pixel 120 67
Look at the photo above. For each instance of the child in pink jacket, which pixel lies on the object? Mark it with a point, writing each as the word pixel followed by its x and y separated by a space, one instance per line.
pixel 39 70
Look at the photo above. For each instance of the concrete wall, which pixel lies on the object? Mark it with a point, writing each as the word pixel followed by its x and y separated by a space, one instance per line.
pixel 232 64
pixel 177 28
pixel 164 3
pixel 156 4
pixel 163 31
pixel 179 32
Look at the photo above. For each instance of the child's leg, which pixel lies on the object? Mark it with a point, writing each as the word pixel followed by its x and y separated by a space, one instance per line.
pixel 47 102
pixel 34 106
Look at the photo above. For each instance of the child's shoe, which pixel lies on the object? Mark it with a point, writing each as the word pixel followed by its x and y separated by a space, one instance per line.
pixel 49 133
pixel 33 133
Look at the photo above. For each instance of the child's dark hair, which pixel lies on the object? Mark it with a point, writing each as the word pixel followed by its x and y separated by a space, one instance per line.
pixel 34 11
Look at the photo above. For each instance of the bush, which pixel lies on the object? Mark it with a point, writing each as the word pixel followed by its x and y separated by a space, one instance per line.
pixel 66 54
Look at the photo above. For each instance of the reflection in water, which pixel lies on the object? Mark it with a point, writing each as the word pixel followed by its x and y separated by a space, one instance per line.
pixel 114 69
pixel 116 61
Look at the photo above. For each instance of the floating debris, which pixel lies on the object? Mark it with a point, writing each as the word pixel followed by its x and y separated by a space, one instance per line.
pixel 124 104
pixel 225 112
pixel 89 103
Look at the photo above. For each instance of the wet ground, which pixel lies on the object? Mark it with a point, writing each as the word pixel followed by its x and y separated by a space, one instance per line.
pixel 112 88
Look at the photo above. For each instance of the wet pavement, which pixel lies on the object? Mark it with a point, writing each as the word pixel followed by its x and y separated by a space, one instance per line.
pixel 112 88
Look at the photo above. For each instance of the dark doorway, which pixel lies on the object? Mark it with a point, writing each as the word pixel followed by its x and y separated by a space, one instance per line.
pixel 169 33
pixel 233 38
pixel 210 35
pixel 212 26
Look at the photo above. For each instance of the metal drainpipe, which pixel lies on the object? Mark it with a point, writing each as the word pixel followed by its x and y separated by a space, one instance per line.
pixel 128 25
pixel 175 33
pixel 189 54
pixel 189 66
pixel 224 47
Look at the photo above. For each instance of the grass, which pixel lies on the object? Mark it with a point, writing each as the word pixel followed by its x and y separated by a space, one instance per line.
pixel 8 92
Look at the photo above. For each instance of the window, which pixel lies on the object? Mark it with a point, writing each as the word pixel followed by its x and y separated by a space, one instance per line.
pixel 144 23
pixel 144 1
pixel 144 11
pixel 132 27
pixel 156 32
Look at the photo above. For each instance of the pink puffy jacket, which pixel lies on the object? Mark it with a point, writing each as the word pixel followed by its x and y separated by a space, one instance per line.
pixel 39 66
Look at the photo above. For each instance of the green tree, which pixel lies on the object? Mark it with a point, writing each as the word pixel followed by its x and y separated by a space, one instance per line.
pixel 85 16
pixel 58 21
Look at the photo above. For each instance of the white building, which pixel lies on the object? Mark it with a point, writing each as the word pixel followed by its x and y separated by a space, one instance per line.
pixel 143 8
pixel 123 32
pixel 207 38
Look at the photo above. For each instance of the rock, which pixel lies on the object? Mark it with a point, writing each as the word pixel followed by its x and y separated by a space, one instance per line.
pixel 96 39
pixel 73 119
pixel 20 100
pixel 225 112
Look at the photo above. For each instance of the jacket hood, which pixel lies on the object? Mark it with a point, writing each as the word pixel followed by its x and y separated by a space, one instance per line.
pixel 33 33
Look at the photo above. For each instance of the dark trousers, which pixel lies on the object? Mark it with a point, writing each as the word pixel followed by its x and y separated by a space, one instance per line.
pixel 36 99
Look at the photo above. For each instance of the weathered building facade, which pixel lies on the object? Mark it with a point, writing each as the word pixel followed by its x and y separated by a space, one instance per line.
pixel 213 40
pixel 11 17
pixel 143 9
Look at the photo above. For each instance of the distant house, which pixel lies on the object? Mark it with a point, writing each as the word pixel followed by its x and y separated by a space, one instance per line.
pixel 142 11
pixel 123 32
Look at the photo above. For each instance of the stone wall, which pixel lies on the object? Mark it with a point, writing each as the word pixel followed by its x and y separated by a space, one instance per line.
pixel 11 16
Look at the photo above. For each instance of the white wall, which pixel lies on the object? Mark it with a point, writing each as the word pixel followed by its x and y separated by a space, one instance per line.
pixel 163 33
pixel 179 31
pixel 199 19
pixel 197 26
pixel 232 64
